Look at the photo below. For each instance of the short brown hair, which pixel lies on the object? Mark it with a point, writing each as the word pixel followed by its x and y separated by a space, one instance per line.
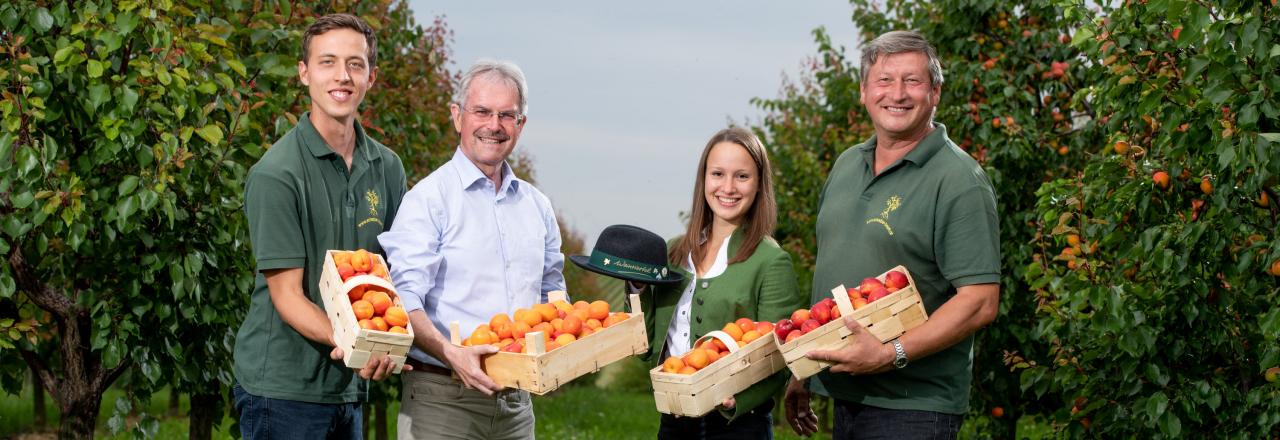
pixel 761 218
pixel 340 21
pixel 896 42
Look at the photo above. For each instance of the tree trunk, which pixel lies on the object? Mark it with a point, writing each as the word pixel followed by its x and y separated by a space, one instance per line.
pixel 380 429
pixel 175 398
pixel 78 383
pixel 37 401
pixel 204 412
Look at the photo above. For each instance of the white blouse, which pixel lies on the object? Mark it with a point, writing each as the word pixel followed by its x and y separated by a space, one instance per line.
pixel 678 342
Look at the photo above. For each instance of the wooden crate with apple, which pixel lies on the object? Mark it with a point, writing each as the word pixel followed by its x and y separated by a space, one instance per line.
pixel 364 309
pixel 893 307
pixel 559 347
pixel 688 386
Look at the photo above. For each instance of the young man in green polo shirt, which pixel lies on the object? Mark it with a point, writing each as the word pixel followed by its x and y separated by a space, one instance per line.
pixel 324 185
pixel 907 196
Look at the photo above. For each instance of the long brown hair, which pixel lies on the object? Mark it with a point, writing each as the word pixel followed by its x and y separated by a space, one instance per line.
pixel 760 219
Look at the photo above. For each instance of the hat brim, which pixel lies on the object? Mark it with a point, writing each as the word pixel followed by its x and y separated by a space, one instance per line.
pixel 584 262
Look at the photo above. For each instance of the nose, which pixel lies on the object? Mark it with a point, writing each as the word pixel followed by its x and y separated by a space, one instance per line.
pixel 344 75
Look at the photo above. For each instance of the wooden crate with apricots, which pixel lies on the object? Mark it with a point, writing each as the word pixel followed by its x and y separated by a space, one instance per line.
pixel 697 382
pixel 364 309
pixel 890 307
pixel 543 348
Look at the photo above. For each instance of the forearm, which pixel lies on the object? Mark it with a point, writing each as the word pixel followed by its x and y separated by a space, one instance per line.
pixel 291 303
pixel 972 308
pixel 426 336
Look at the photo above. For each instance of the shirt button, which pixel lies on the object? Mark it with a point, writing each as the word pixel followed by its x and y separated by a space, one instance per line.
pixel 699 319
pixel 704 284
pixel 699 301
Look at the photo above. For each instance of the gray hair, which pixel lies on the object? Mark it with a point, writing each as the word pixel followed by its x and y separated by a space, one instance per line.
pixel 504 70
pixel 896 42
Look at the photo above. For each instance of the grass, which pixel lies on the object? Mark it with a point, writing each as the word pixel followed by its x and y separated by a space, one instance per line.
pixel 613 404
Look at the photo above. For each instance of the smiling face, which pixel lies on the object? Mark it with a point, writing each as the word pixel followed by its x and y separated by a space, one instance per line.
pixel 731 182
pixel 487 137
pixel 899 96
pixel 337 74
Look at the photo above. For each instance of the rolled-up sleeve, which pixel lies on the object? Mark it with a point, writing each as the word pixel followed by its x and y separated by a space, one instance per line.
pixel 413 247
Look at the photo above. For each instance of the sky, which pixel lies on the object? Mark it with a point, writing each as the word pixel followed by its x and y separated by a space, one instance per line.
pixel 623 96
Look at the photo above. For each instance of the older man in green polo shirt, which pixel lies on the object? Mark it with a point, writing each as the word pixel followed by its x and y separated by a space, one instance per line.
pixel 907 196
pixel 324 185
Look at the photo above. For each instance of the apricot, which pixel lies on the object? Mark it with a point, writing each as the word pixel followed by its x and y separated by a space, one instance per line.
pixel 361 260
pixel 379 323
pixel 571 325
pixel 733 331
pixel 581 305
pixel 356 293
pixel 614 319
pixel 593 324
pixel 396 316
pixel 528 317
pixel 750 336
pixel 345 271
pixel 565 338
pixel 696 358
pixel 673 364
pixel 380 300
pixel 745 324
pixel 598 310
pixel 546 311
pixel 398 329
pixel 687 370
pixel 362 309
pixel 341 258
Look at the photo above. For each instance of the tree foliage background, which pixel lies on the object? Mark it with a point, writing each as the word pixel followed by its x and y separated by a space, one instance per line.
pixel 126 129
pixel 1128 309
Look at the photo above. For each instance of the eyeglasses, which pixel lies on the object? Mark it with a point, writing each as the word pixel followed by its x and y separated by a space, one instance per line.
pixel 505 118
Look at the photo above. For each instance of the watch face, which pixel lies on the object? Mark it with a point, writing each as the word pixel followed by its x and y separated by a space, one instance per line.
pixel 900 362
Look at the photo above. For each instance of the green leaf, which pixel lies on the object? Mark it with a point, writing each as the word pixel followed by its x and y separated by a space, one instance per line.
pixel 95 68
pixel 238 67
pixel 41 21
pixel 210 133
pixel 98 94
pixel 1170 425
pixel 127 185
pixel 62 53
pixel 128 98
pixel 27 160
pixel 126 22
pixel 126 207
pixel 1270 137
pixel 22 200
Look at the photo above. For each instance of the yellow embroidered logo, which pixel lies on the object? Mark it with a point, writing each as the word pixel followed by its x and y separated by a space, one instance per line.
pixel 371 196
pixel 889 206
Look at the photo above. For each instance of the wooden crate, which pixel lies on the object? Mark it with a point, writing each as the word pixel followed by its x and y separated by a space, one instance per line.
pixel 541 372
pixel 699 393
pixel 359 345
pixel 886 318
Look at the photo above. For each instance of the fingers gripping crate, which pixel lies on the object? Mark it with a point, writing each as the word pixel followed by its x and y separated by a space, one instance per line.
pixel 699 393
pixel 886 319
pixel 359 345
pixel 540 371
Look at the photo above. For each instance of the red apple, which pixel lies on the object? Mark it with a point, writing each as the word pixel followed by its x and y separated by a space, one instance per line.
pixel 830 302
pixel 821 312
pixel 810 325
pixel 783 327
pixel 869 285
pixel 793 335
pixel 895 280
pixel 854 293
pixel 877 294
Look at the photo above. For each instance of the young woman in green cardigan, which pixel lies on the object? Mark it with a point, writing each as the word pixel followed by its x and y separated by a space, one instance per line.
pixel 732 269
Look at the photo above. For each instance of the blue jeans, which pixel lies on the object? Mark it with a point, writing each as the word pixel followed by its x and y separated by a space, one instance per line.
pixel 267 418
pixel 754 425
pixel 857 421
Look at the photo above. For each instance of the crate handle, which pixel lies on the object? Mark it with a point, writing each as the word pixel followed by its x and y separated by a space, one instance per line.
pixel 635 303
pixel 557 295
pixel 360 280
pixel 728 341
pixel 535 343
pixel 455 335
pixel 841 295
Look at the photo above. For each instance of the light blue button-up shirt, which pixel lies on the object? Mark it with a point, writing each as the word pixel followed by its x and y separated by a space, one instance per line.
pixel 463 252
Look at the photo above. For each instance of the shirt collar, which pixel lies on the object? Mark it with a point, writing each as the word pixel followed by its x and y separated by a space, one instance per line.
pixel 918 155
pixel 469 175
pixel 319 148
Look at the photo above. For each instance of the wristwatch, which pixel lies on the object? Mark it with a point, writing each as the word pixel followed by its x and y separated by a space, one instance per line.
pixel 899 355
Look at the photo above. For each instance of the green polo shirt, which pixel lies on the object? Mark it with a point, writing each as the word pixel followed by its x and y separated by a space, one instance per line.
pixel 301 200
pixel 934 212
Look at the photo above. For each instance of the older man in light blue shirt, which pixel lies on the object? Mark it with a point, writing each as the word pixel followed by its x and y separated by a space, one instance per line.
pixel 471 240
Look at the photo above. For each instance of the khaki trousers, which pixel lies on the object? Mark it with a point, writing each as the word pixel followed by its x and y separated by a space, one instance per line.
pixel 433 406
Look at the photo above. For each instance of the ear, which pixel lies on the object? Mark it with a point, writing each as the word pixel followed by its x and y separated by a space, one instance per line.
pixel 373 76
pixel 302 73
pixel 456 113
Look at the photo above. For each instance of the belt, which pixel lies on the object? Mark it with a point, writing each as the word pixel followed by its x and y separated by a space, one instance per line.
pixel 423 367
